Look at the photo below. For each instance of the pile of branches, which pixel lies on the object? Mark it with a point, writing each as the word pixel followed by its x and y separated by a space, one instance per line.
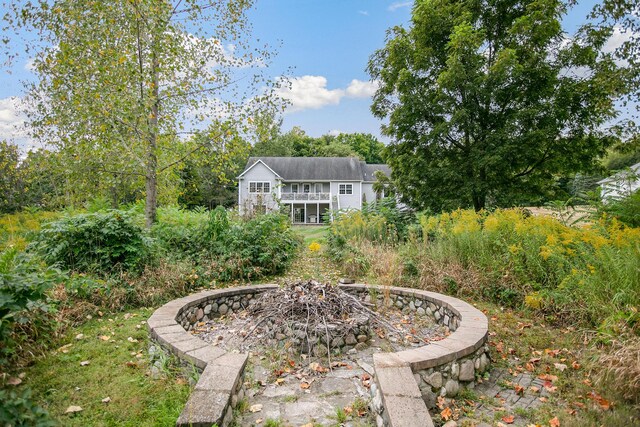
pixel 312 311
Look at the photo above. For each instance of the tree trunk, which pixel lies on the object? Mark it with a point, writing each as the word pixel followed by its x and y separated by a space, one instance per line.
pixel 479 201
pixel 151 172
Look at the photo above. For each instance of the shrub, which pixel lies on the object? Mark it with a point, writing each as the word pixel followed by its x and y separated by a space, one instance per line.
pixel 261 246
pixel 625 210
pixel 18 409
pixel 96 242
pixel 25 312
pixel 622 367
pixel 178 231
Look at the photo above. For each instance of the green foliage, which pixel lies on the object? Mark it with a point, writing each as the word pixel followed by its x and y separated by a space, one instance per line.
pixel 101 242
pixel 481 109
pixel 19 409
pixel 296 143
pixel 626 210
pixel 228 248
pixel 9 178
pixel 25 312
pixel 264 245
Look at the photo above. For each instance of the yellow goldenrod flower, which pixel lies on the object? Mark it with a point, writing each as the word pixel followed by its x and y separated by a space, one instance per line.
pixel 314 246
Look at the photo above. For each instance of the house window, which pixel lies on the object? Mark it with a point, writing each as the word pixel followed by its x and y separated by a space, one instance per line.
pixel 259 187
pixel 318 188
pixel 306 188
pixel 345 189
pixel 294 188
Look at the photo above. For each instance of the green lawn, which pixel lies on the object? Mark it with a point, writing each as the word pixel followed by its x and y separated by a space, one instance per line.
pixel 312 233
pixel 119 370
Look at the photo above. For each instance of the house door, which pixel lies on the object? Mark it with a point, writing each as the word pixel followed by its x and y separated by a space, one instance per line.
pixel 298 214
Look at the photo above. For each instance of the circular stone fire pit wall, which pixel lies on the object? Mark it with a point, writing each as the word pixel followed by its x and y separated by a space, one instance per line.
pixel 406 382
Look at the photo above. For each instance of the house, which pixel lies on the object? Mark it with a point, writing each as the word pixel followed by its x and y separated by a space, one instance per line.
pixel 620 185
pixel 306 187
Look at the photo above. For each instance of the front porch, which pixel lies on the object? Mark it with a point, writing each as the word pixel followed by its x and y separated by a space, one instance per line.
pixel 307 213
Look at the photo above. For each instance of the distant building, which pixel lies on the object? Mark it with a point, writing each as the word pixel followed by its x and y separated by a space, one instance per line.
pixel 621 185
pixel 308 187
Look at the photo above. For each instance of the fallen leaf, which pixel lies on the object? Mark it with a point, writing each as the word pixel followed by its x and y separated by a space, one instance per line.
pixel 280 381
pixel 441 402
pixel 534 389
pixel 548 377
pixel 105 337
pixel 14 381
pixel 79 336
pixel 304 385
pixel 131 339
pixel 508 419
pixel 255 408
pixel 65 348
pixel 554 422
pixel 575 365
pixel 348 410
pixel 106 400
pixel 529 367
pixel 84 363
pixel 519 389
pixel 446 413
pixel 560 366
pixel 603 403
pixel 131 364
pixel 73 409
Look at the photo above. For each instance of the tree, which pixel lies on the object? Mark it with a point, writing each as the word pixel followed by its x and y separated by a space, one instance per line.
pixel 10 178
pixel 120 82
pixel 365 144
pixel 489 100
pixel 209 178
pixel 621 18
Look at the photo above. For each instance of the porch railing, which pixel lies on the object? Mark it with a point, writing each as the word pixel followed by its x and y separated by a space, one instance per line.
pixel 305 196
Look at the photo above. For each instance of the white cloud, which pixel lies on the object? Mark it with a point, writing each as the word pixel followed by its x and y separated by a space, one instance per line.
pixel 360 89
pixel 616 40
pixel 11 120
pixel 334 132
pixel 309 92
pixel 399 5
pixel 364 12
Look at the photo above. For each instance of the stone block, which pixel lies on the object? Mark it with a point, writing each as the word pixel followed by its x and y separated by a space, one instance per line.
pixel 407 411
pixel 218 378
pixel 467 371
pixel 201 357
pixel 203 409
pixel 452 387
pixel 397 381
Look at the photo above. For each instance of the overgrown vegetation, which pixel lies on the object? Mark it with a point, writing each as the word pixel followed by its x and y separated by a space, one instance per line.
pixel 59 274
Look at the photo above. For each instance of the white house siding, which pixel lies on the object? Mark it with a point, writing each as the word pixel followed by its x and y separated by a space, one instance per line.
pixel 258 173
pixel 348 201
pixel 621 185
pixel 369 194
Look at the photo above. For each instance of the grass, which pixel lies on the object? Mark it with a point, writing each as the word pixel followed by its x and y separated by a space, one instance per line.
pixel 315 233
pixel 118 369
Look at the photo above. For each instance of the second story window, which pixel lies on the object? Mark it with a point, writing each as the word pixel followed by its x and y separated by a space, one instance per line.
pixel 345 189
pixel 294 188
pixel 306 188
pixel 259 187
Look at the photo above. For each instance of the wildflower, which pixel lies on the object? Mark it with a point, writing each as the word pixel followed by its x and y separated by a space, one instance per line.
pixel 314 247
pixel 591 268
pixel 545 252
pixel 533 300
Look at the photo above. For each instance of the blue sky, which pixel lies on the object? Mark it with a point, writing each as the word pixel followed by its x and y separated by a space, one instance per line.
pixel 326 42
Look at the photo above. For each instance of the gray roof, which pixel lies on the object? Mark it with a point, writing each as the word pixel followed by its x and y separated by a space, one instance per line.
pixel 631 172
pixel 320 168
